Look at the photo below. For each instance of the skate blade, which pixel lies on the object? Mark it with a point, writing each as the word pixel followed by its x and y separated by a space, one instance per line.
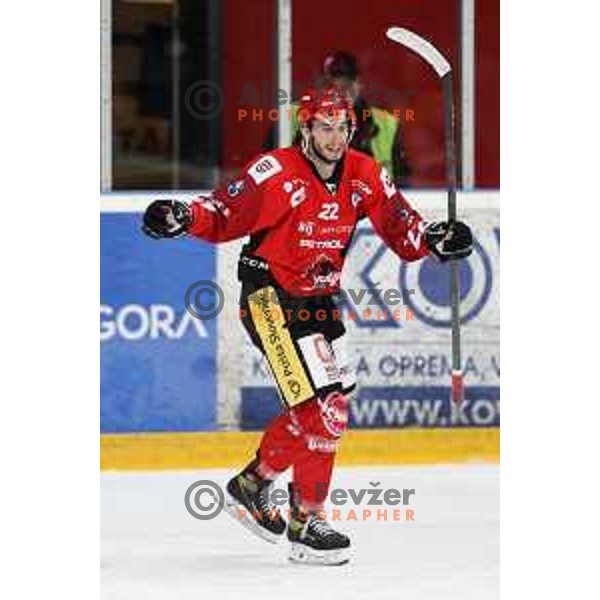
pixel 299 553
pixel 232 508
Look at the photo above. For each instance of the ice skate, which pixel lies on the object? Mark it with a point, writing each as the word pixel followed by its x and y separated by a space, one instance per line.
pixel 314 541
pixel 247 501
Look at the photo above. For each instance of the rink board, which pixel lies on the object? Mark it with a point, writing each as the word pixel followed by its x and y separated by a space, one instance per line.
pixel 403 365
pixel 231 449
pixel 158 363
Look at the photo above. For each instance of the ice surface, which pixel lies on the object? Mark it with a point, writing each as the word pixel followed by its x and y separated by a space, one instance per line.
pixel 152 549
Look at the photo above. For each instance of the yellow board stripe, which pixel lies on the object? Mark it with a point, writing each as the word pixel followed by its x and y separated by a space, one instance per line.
pixel 267 316
pixel 233 449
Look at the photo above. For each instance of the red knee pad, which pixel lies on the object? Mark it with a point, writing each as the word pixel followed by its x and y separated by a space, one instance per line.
pixel 326 417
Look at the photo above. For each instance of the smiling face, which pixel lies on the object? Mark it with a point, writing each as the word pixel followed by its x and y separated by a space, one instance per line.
pixel 330 138
pixel 327 123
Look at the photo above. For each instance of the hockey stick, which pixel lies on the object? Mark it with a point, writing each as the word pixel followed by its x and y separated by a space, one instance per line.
pixel 442 67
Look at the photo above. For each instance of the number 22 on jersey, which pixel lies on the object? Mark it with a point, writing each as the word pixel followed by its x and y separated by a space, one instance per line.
pixel 329 211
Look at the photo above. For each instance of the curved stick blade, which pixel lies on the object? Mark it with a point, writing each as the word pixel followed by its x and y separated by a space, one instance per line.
pixel 421 47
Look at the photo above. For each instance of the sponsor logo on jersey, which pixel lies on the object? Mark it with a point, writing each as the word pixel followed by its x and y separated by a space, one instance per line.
pixel 306 227
pixel 264 168
pixel 298 197
pixel 213 204
pixel 310 227
pixel 322 244
pixel 361 186
pixel 337 229
pixel 323 273
pixel 405 215
pixel 235 188
pixel 388 185
pixel 416 236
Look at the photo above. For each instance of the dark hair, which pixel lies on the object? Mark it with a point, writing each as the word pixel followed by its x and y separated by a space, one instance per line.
pixel 340 64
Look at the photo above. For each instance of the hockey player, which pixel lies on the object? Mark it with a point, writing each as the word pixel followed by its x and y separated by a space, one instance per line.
pixel 300 206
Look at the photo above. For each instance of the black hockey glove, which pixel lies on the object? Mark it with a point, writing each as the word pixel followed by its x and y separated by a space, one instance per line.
pixel 167 219
pixel 448 241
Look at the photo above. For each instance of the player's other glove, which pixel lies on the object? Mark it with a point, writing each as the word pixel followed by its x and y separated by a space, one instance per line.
pixel 449 240
pixel 167 219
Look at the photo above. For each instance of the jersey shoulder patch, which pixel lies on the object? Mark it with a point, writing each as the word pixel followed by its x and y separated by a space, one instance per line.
pixel 264 168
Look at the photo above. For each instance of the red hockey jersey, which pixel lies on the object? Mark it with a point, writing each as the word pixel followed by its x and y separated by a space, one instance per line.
pixel 301 225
